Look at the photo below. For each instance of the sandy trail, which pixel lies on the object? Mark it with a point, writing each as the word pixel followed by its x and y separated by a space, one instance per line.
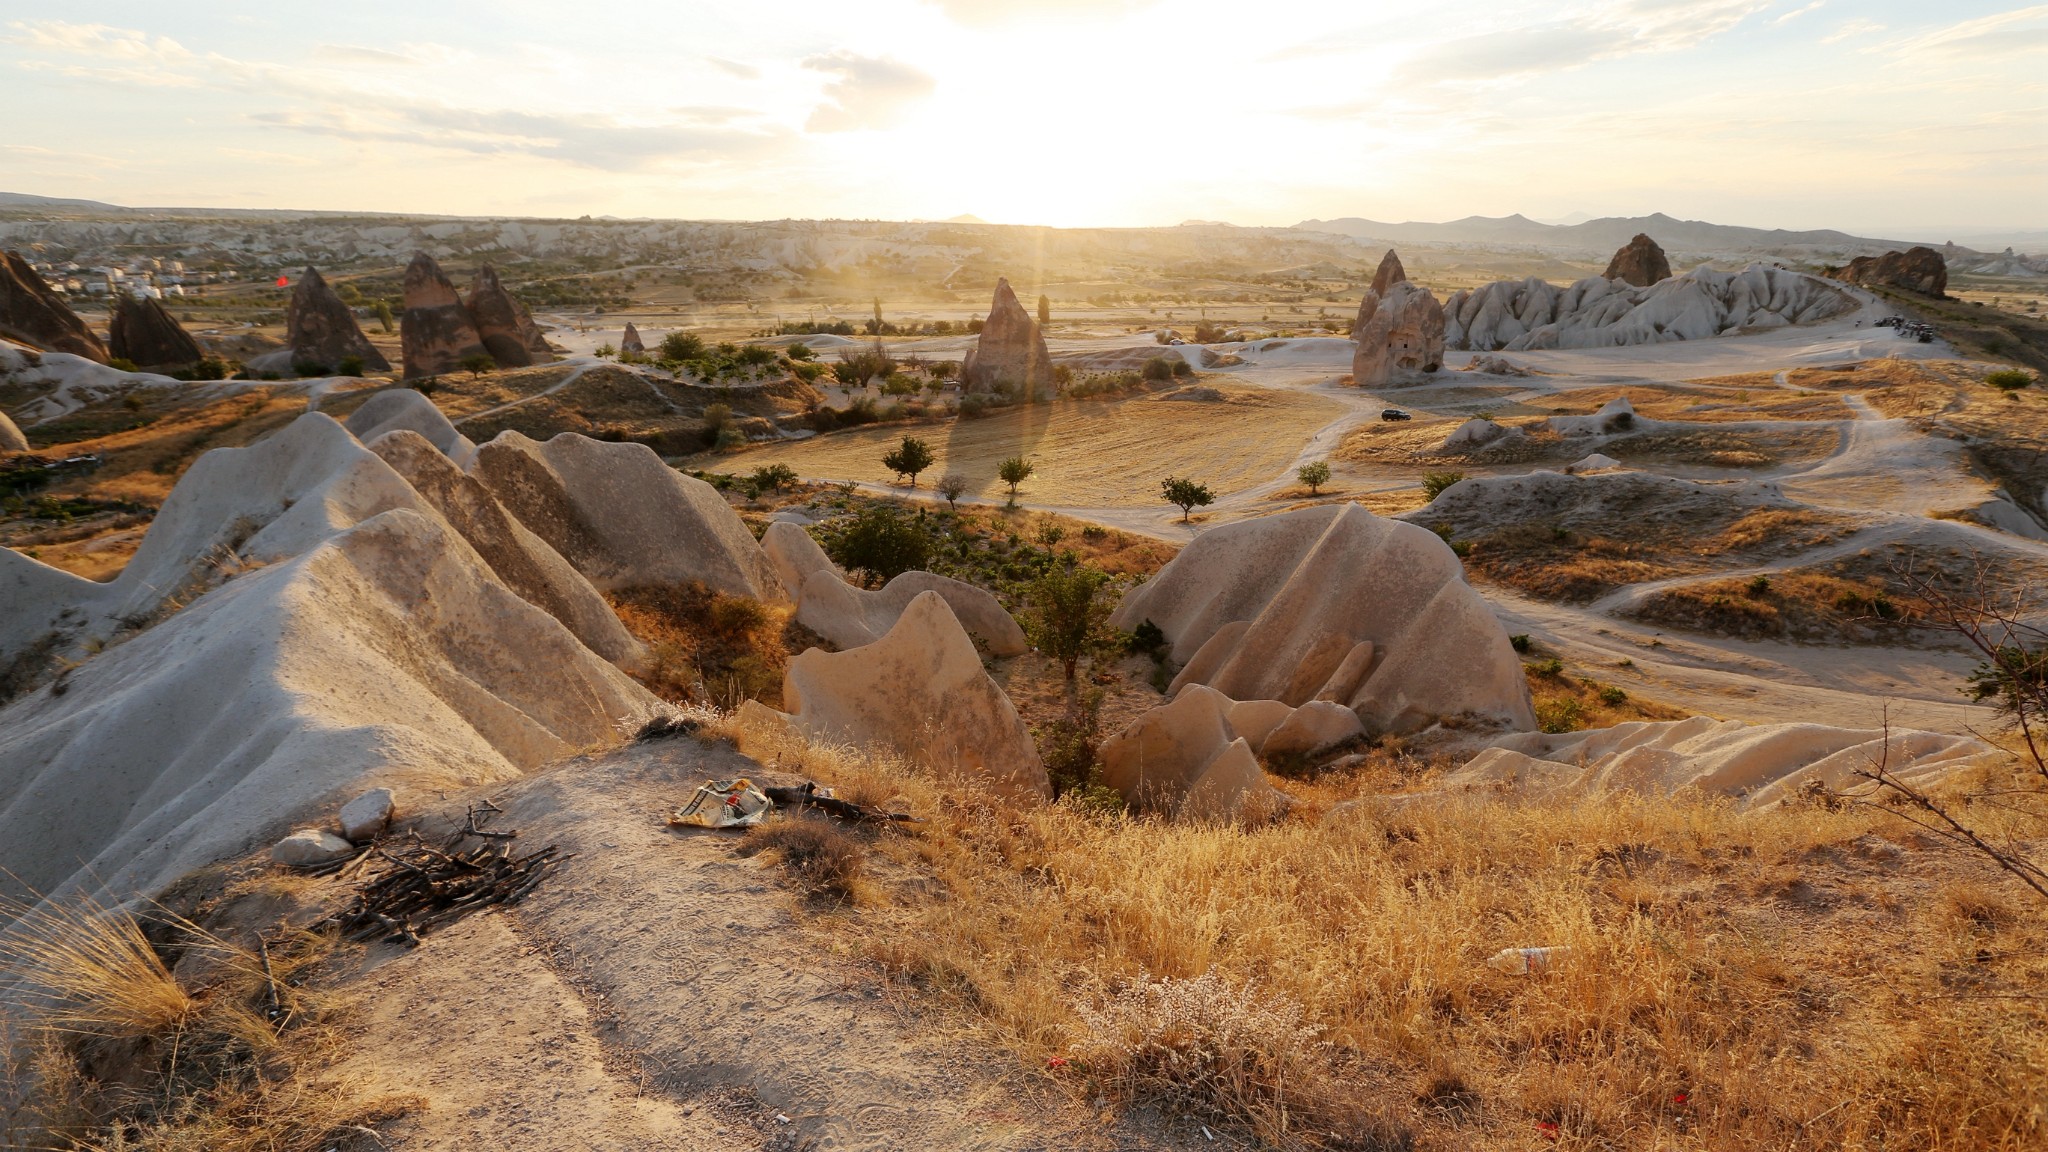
pixel 574 375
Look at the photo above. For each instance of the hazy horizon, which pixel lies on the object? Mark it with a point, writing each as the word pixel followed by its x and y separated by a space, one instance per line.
pixel 1881 119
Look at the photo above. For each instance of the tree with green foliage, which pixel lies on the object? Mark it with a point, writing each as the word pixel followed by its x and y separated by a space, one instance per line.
pixel 799 351
pixel 1015 471
pixel 1157 368
pixel 1434 483
pixel 772 477
pixel 909 458
pixel 1315 476
pixel 1066 616
pixel 606 351
pixel 2009 379
pixel 477 363
pixel 1187 494
pixel 952 488
pixel 682 347
pixel 881 541
pixel 383 313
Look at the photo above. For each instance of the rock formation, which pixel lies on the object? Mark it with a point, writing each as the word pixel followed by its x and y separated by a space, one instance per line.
pixel 630 344
pixel 12 442
pixel 1334 603
pixel 1615 416
pixel 320 329
pixel 622 517
pixel 503 323
pixel 850 617
pixel 1475 434
pixel 32 314
pixel 1010 351
pixel 1184 760
pixel 1517 315
pixel 795 556
pixel 1639 262
pixel 1917 269
pixel 920 690
pixel 436 329
pixel 1398 333
pixel 403 408
pixel 1760 765
pixel 1389 274
pixel 145 335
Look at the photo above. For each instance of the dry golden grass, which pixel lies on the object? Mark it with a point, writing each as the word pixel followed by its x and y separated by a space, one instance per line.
pixel 1772 980
pixel 1796 605
pixel 705 646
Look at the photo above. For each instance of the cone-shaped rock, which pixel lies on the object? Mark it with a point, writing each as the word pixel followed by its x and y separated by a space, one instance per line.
pixel 506 328
pixel 1011 350
pixel 630 342
pixel 1390 273
pixel 322 330
pixel 1639 262
pixel 436 329
pixel 32 314
pixel 1919 270
pixel 12 442
pixel 143 333
pixel 1399 333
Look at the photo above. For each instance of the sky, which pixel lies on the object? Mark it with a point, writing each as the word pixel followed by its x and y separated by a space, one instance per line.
pixel 1876 117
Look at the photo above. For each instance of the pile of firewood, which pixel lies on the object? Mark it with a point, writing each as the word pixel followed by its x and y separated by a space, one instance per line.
pixel 417 887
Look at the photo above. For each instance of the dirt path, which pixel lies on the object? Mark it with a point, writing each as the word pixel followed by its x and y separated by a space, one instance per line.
pixel 574 375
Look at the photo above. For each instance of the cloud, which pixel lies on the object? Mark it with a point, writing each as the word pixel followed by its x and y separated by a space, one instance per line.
pixel 2021 30
pixel 734 67
pixel 1796 13
pixel 1628 28
pixel 98 40
pixel 982 13
pixel 590 141
pixel 1849 29
pixel 870 92
pixel 357 54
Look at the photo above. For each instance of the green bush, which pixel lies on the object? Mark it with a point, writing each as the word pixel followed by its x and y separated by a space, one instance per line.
pixel 1157 368
pixel 1186 494
pixel 681 346
pixel 1611 696
pixel 880 541
pixel 772 477
pixel 1314 475
pixel 909 458
pixel 351 366
pixel 2010 379
pixel 1182 368
pixel 1565 715
pixel 1434 483
pixel 1520 642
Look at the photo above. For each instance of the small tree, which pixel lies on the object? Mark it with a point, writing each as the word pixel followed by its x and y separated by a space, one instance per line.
pixel 773 477
pixel 1434 483
pixel 882 542
pixel 681 347
pixel 909 458
pixel 799 351
pixel 952 488
pixel 383 311
pixel 1315 476
pixel 606 351
pixel 1015 471
pixel 1065 614
pixel 1044 311
pixel 478 363
pixel 1187 494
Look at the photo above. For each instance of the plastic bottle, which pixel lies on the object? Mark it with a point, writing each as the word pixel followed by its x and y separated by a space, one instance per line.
pixel 1522 961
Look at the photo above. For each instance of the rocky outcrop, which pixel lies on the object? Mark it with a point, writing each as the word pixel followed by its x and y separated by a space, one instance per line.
pixel 795 556
pixel 630 343
pixel 1475 434
pixel 1010 352
pixel 1639 262
pixel 1389 274
pixel 436 330
pixel 920 692
pixel 404 409
pixel 320 329
pixel 1398 334
pixel 12 442
pixel 849 617
pixel 145 335
pixel 32 314
pixel 1185 760
pixel 1334 603
pixel 503 323
pixel 622 517
pixel 1518 315
pixel 1917 269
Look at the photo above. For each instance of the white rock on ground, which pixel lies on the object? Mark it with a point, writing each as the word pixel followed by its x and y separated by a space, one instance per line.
pixel 622 517
pixel 1254 720
pixel 1617 415
pixel 403 408
pixel 1477 432
pixel 1184 760
pixel 1597 462
pixel 794 555
pixel 1275 608
pixel 368 814
pixel 850 617
pixel 1759 764
pixel 921 691
pixel 1515 315
pixel 308 847
pixel 1311 728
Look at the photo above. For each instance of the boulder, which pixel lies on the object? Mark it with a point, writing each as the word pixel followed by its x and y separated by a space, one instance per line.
pixel 1477 432
pixel 1640 262
pixel 919 691
pixel 403 408
pixel 622 517
pixel 1917 269
pixel 1389 274
pixel 320 329
pixel 503 323
pixel 1497 366
pixel 1254 720
pixel 309 848
pixel 630 344
pixel 32 314
pixel 522 560
pixel 849 617
pixel 795 555
pixel 1010 351
pixel 367 815
pixel 1398 334
pixel 146 335
pixel 1597 462
pixel 1311 728
pixel 1184 760
pixel 12 442
pixel 436 330
pixel 1276 608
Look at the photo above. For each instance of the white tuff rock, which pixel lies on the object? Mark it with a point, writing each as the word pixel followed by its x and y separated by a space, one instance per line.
pixel 369 814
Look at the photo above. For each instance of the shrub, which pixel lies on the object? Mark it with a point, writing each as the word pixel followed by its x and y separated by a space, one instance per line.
pixel 1314 475
pixel 682 346
pixel 477 364
pixel 1759 585
pixel 880 541
pixel 2009 379
pixel 1520 642
pixel 909 458
pixel 606 352
pixel 799 351
pixel 824 861
pixel 1068 745
pixel 299 367
pixel 773 477
pixel 1015 471
pixel 952 488
pixel 1434 483
pixel 728 438
pixel 1065 616
pixel 1182 368
pixel 1562 715
pixel 1612 696
pixel 1187 494
pixel 1157 368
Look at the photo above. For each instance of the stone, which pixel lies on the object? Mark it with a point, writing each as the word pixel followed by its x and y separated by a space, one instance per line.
pixel 12 442
pixel 503 323
pixel 403 408
pixel 1531 314
pixel 1184 760
pixel 623 518
pixel 1639 262
pixel 1254 720
pixel 1275 607
pixel 1617 415
pixel 1597 462
pixel 311 847
pixel 1311 728
pixel 32 313
pixel 1917 269
pixel 436 330
pixel 146 335
pixel 1010 351
pixel 1477 432
pixel 1497 366
pixel 368 814
pixel 849 617
pixel 1398 334
pixel 320 329
pixel 1389 274
pixel 795 555
pixel 919 691
pixel 630 344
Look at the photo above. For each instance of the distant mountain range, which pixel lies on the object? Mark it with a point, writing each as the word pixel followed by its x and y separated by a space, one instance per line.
pixel 1606 232
pixel 23 200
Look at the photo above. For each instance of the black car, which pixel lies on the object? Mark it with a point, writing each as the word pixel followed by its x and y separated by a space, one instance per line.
pixel 1394 414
